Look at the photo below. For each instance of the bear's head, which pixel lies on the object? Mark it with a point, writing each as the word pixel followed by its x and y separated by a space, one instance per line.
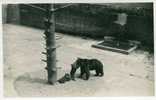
pixel 67 76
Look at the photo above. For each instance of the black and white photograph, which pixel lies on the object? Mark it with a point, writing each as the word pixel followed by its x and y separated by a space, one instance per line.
pixel 78 49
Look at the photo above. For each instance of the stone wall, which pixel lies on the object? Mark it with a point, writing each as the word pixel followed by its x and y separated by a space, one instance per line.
pixel 13 14
pixel 98 21
pixel 4 13
pixel 93 20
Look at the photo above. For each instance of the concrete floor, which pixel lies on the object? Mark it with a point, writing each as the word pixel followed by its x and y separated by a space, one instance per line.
pixel 24 74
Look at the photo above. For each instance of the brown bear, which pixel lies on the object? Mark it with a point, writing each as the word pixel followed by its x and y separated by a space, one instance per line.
pixel 85 66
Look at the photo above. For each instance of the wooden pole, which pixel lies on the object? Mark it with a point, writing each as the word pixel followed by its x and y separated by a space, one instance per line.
pixel 50 44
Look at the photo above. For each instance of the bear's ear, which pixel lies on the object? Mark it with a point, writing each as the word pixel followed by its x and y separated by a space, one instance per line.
pixel 66 74
pixel 78 58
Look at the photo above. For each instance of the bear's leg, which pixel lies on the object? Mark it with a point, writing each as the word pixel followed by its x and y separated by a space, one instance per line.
pixel 87 72
pixel 81 75
pixel 97 72
pixel 81 72
pixel 101 71
pixel 101 74
pixel 87 75
pixel 72 72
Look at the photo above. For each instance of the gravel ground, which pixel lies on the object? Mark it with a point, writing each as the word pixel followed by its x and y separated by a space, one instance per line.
pixel 24 74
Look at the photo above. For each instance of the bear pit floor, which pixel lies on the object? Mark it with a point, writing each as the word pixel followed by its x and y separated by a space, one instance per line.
pixel 25 76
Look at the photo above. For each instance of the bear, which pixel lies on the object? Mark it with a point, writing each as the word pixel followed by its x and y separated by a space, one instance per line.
pixel 85 66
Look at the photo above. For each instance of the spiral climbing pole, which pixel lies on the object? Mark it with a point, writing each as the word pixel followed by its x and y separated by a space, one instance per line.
pixel 50 49
pixel 49 36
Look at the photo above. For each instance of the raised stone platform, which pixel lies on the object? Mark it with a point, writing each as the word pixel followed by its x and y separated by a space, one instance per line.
pixel 109 43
